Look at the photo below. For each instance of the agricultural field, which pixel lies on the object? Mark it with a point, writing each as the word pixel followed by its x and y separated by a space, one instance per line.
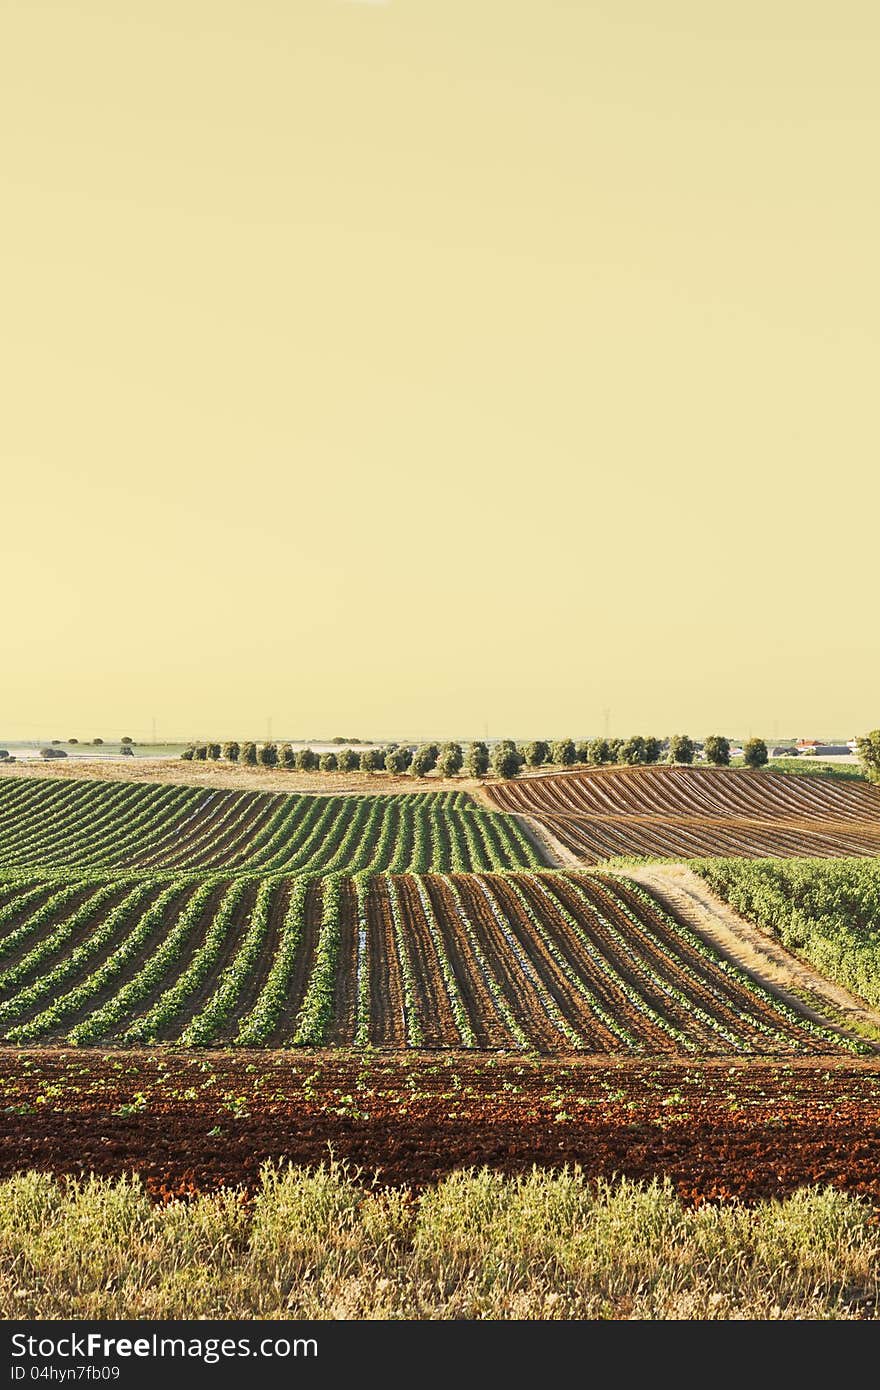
pixel 130 825
pixel 685 813
pixel 827 911
pixel 198 980
pixel 199 1121
pixel 534 962
pixel 313 1242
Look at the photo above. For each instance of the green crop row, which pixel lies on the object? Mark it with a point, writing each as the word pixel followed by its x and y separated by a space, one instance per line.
pixel 138 828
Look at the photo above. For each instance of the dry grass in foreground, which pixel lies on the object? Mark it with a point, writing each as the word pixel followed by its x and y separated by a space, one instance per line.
pixel 479 1245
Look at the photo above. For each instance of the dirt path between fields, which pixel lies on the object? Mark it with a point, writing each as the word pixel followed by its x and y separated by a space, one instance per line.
pixel 546 843
pixel 684 893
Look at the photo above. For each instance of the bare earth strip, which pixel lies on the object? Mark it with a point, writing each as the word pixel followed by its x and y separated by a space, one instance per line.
pixel 240 777
pixel 552 850
pixel 687 896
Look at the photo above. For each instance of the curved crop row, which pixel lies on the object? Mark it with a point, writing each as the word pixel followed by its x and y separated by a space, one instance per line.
pixel 102 1022
pixel 258 1026
pixel 546 961
pixel 148 828
pixel 78 998
pixel 170 1003
pixel 207 1023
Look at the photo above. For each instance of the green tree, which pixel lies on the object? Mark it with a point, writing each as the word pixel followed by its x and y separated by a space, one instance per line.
pixel 395 760
pixel 231 751
pixel 681 749
pixel 868 749
pixel 451 759
pixel 214 752
pixel 653 749
pixel 200 752
pixel 563 752
pixel 347 760
pixel 582 751
pixel 536 753
pixel 306 760
pixel 615 750
pixel 505 759
pixel 371 759
pixel 633 750
pixel 328 762
pixel 755 753
pixel 286 756
pixel 188 753
pixel 424 760
pixel 268 755
pixel 717 750
pixel 477 760
pixel 249 753
pixel 598 751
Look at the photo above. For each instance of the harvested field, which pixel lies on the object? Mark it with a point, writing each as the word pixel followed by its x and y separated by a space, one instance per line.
pixel 691 812
pixel 538 961
pixel 195 1122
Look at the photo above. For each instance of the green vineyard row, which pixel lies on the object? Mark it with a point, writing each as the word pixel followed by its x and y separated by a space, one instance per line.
pixel 826 910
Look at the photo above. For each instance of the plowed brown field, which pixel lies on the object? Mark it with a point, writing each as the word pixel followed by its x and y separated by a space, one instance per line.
pixel 192 1122
pixel 691 812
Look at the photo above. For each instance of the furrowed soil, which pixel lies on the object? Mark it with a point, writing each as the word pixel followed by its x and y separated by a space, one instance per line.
pixel 688 812
pixel 192 1122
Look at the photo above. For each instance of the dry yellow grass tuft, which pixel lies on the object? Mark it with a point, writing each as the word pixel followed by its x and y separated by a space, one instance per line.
pixel 479 1245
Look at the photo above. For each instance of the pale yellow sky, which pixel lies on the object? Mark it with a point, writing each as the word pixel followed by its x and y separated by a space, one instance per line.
pixel 407 368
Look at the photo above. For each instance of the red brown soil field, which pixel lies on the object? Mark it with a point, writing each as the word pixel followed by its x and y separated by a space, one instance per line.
pixel 191 1122
pixel 690 812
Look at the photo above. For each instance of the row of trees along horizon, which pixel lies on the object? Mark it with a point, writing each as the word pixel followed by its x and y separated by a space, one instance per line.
pixel 504 759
